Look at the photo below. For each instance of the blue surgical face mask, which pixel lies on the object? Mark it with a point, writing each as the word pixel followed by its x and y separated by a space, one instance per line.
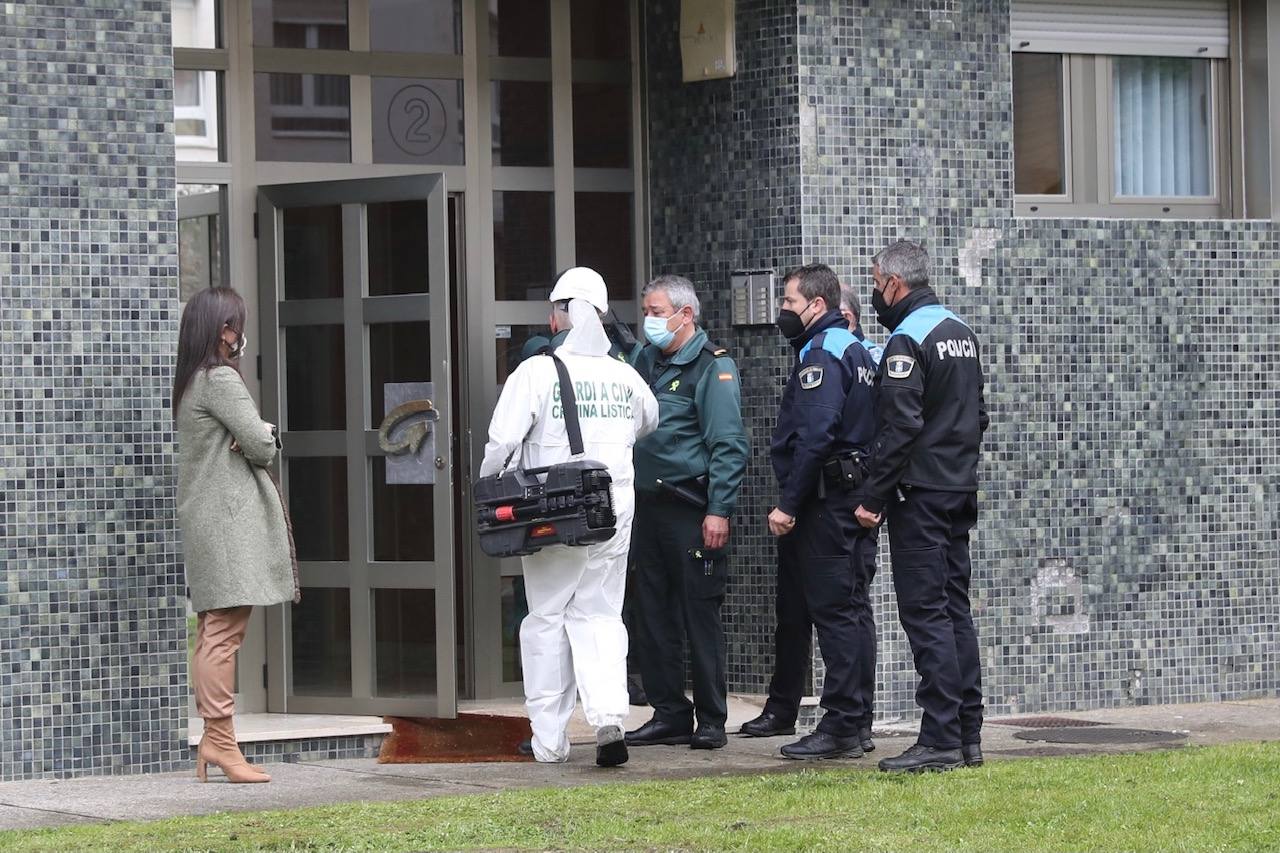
pixel 655 329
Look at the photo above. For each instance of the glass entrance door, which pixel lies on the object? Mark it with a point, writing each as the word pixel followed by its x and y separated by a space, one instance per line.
pixel 356 370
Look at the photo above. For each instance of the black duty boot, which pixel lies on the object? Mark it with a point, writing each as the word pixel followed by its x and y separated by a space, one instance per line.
pixel 864 739
pixel 657 732
pixel 611 746
pixel 635 690
pixel 920 758
pixel 708 737
pixel 972 753
pixel 767 725
pixel 525 747
pixel 823 745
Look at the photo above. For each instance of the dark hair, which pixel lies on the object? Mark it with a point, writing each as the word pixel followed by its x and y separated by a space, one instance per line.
pixel 814 280
pixel 200 334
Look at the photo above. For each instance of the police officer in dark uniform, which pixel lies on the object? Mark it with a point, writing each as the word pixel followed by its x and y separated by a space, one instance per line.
pixel 924 479
pixel 826 422
pixel 687 477
pixel 787 688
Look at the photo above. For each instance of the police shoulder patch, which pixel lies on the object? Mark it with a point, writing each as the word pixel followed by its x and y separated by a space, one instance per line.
pixel 810 377
pixel 899 366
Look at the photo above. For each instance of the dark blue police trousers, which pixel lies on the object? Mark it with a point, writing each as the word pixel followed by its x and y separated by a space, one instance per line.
pixel 929 543
pixel 825 568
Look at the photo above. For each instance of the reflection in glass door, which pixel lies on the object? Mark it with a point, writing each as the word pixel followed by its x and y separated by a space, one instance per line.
pixel 354 281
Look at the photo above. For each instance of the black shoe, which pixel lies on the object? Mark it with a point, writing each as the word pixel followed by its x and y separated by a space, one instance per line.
pixel 864 739
pixel 657 732
pixel 823 745
pixel 919 758
pixel 525 747
pixel 611 747
pixel 767 725
pixel 635 691
pixel 708 737
pixel 972 753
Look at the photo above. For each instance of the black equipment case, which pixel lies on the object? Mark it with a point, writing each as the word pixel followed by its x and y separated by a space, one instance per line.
pixel 570 503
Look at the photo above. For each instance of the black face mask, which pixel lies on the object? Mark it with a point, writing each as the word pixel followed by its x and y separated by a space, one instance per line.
pixel 881 307
pixel 790 324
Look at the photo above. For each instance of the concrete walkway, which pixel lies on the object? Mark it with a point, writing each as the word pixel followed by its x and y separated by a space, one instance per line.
pixel 96 799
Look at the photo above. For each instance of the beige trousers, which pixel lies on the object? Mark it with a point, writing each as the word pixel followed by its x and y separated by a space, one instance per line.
pixel 219 634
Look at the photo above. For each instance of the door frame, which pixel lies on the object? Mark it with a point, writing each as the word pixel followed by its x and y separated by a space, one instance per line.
pixel 355 310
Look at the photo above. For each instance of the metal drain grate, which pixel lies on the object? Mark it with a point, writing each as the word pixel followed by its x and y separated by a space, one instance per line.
pixel 1044 723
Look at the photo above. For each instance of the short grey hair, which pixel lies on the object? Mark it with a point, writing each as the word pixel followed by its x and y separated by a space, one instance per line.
pixel 679 290
pixel 849 301
pixel 906 260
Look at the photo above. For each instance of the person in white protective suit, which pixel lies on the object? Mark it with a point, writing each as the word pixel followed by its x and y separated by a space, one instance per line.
pixel 573 637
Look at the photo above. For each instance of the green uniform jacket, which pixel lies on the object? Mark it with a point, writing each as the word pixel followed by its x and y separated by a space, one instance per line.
pixel 235 534
pixel 700 427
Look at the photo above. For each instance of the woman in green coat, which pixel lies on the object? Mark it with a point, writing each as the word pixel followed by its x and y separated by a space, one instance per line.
pixel 235 530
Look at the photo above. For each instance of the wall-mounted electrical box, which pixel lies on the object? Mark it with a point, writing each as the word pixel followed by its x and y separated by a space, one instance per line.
pixel 753 297
pixel 706 39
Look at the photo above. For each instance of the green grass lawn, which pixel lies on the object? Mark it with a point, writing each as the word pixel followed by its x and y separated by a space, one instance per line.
pixel 1218 798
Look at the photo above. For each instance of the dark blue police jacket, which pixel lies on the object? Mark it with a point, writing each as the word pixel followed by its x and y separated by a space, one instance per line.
pixel 828 408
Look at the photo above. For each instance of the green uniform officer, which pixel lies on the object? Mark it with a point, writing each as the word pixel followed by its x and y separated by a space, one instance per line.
pixel 687 476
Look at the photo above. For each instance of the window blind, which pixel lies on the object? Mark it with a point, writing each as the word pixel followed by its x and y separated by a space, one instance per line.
pixel 1197 28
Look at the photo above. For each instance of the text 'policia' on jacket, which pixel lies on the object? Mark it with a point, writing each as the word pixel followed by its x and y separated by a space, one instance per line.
pixel 932 411
pixel 827 409
pixel 700 427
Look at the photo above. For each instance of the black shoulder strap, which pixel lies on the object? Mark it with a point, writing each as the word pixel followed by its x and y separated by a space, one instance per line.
pixel 568 404
pixel 715 351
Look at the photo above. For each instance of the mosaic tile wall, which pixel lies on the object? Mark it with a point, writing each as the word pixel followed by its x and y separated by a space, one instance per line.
pixel 92 635
pixel 312 749
pixel 1127 550
pixel 724 168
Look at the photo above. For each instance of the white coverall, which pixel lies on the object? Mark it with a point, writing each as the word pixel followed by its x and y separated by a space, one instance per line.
pixel 573 635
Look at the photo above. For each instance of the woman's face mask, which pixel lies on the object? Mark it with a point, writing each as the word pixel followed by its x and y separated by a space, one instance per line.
pixel 236 350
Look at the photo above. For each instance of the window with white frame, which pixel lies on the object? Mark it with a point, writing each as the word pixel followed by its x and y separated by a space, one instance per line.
pixel 1121 108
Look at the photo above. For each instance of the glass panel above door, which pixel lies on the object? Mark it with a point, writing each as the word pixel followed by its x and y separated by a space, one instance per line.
pixel 521 123
pixel 520 28
pixel 523 245
pixel 313 252
pixel 398 253
pixel 302 117
pixel 600 29
pixel 300 24
pixel 195 23
pixel 417 121
pixel 415 26
pixel 601 125
pixel 197 116
pixel 602 227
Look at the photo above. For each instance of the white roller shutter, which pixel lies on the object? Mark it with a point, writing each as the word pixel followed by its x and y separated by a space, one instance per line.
pixel 1125 27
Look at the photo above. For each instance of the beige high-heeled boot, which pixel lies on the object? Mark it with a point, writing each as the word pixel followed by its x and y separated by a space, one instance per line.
pixel 218 747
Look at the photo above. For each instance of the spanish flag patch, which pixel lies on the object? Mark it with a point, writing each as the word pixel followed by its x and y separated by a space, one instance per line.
pixel 726 377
